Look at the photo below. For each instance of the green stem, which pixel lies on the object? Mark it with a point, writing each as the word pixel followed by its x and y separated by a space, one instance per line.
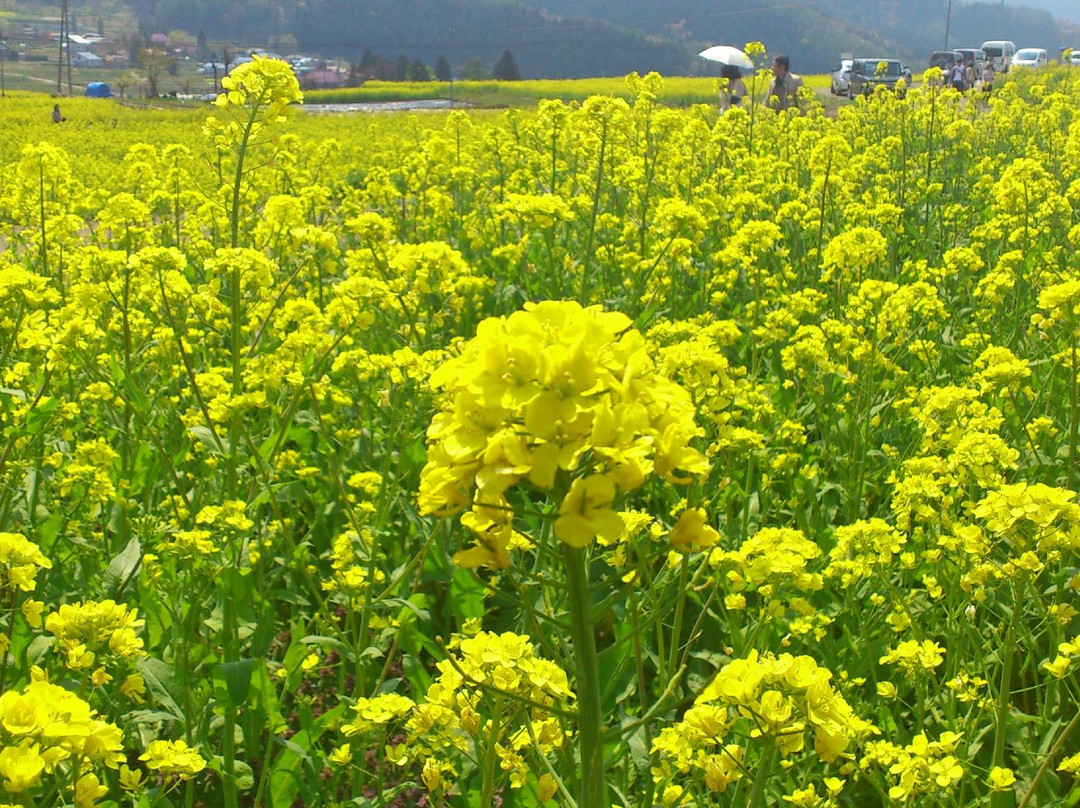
pixel 1004 692
pixel 761 777
pixel 228 746
pixel 1049 759
pixel 680 608
pixel 487 789
pixel 1074 415
pixel 595 211
pixel 592 791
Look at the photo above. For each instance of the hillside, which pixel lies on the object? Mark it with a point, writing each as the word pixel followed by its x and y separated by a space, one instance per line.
pixel 816 32
pixel 581 38
pixel 461 30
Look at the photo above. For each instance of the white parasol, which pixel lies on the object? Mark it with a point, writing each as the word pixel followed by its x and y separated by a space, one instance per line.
pixel 727 55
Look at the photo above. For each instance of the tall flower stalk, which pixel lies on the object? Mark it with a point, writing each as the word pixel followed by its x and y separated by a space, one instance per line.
pixel 255 95
pixel 566 401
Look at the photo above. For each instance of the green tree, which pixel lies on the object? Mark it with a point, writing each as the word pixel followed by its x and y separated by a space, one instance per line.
pixel 418 71
pixel 283 44
pixel 475 70
pixel 154 62
pixel 179 38
pixel 129 78
pixel 506 68
pixel 402 65
pixel 202 47
pixel 368 59
pixel 100 27
pixel 442 70
pixel 134 48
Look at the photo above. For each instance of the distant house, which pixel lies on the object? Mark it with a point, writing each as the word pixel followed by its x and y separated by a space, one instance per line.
pixel 324 78
pixel 86 59
pixel 80 42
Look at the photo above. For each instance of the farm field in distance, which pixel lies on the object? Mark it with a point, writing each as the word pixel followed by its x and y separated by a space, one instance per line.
pixel 592 452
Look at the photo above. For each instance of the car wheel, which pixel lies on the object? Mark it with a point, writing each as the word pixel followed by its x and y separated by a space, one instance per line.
pixel 851 92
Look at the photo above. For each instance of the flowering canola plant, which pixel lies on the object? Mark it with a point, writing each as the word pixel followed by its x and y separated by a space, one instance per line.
pixel 566 400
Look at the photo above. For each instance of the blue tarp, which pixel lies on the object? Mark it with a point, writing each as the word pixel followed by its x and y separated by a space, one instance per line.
pixel 98 89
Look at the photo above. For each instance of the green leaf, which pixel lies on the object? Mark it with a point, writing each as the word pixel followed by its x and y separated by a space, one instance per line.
pixel 242 774
pixel 205 436
pixel 38 647
pixel 159 680
pixel 329 642
pixel 466 594
pixel 122 567
pixel 296 749
pixel 237 676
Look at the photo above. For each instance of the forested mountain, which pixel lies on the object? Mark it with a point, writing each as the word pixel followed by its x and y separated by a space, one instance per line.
pixel 570 38
pixel 815 33
pixel 462 30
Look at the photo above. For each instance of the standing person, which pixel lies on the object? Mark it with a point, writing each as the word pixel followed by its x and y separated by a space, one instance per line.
pixel 988 77
pixel 784 87
pixel 958 76
pixel 733 90
pixel 57 116
pixel 970 76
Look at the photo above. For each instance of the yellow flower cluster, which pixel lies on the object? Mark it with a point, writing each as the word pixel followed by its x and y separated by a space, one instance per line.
pixel 266 84
pixel 915 658
pixel 777 699
pixel 922 770
pixel 21 559
pixel 174 759
pixel 494 694
pixel 565 399
pixel 95 631
pixel 50 738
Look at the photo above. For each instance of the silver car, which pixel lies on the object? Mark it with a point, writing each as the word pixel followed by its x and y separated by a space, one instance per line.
pixel 841 78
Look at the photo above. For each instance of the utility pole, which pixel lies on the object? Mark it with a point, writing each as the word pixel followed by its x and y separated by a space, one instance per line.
pixel 65 50
pixel 948 22
pixel 3 55
pixel 60 54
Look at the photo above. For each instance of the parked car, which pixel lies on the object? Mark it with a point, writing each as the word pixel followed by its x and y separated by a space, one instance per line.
pixel 1000 52
pixel 1074 58
pixel 1030 57
pixel 841 77
pixel 945 59
pixel 976 56
pixel 866 74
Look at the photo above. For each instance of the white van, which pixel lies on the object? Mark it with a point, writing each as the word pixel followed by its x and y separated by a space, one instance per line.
pixel 1000 53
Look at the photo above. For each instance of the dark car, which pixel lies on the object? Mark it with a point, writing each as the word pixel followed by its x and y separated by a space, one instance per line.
pixel 945 59
pixel 866 74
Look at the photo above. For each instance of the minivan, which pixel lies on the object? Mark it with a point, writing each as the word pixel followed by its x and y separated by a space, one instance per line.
pixel 976 56
pixel 1000 52
pixel 866 74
